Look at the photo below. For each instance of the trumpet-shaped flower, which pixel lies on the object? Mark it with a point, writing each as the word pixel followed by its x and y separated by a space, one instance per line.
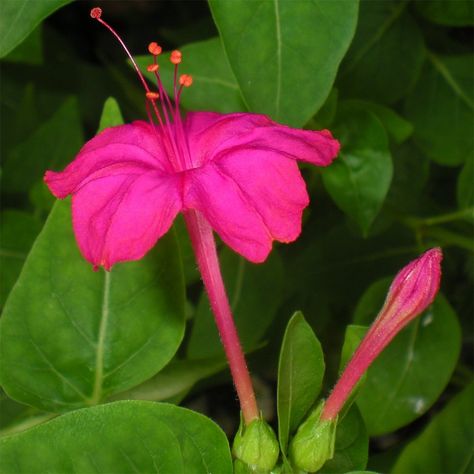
pixel 238 170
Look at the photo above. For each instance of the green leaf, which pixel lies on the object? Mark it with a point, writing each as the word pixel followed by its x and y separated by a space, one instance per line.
pixel 20 17
pixel 410 374
pixel 371 302
pixel 465 189
pixel 111 115
pixel 446 445
pixel 352 338
pixel 17 234
pixel 71 337
pixel 359 179
pixel 29 51
pixel 254 291
pixel 411 168
pixel 122 437
pixel 352 445
pixel 396 126
pixel 441 109
pixel 214 85
pixel 386 56
pixel 447 12
pixel 52 145
pixel 285 54
pixel 176 379
pixel 300 376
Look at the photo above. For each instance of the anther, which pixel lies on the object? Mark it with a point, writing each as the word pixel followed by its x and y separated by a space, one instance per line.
pixel 185 80
pixel 96 13
pixel 176 56
pixel 152 68
pixel 154 48
pixel 152 95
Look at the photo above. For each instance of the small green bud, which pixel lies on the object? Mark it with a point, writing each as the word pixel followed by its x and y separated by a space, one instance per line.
pixel 314 441
pixel 256 446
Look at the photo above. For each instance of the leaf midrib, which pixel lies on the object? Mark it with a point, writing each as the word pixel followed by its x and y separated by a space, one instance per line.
pixel 99 360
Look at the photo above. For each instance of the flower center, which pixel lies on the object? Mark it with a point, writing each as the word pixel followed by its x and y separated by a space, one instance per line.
pixel 163 114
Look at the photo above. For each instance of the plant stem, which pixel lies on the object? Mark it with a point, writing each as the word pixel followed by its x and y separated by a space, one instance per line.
pixel 204 247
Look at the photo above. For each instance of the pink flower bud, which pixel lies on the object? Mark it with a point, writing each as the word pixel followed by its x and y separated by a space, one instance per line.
pixel 411 292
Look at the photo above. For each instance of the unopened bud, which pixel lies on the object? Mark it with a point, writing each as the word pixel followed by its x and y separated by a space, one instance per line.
pixel 313 443
pixel 255 447
pixel 413 289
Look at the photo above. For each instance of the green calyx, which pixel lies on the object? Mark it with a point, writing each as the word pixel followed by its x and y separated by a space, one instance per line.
pixel 314 441
pixel 256 447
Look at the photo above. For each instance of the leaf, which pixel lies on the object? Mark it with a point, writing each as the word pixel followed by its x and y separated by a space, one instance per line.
pixel 300 376
pixel 359 179
pixel 17 233
pixel 285 54
pixel 122 437
pixel 441 109
pixel 410 374
pixel 29 51
pixel 396 126
pixel 386 56
pixel 214 86
pixel 111 115
pixel 447 12
pixel 411 168
pixel 446 445
pixel 352 445
pixel 352 338
pixel 465 190
pixel 52 145
pixel 176 379
pixel 254 291
pixel 71 337
pixel 20 17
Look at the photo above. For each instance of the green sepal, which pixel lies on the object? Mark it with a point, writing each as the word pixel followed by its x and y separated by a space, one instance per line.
pixel 314 442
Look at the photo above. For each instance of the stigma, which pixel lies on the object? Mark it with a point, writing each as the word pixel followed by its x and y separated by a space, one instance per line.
pixel 163 113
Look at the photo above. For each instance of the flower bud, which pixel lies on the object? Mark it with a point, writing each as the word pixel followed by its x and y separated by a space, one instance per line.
pixel 256 447
pixel 314 441
pixel 411 292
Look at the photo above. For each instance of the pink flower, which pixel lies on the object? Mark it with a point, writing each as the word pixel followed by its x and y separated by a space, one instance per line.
pixel 411 292
pixel 239 170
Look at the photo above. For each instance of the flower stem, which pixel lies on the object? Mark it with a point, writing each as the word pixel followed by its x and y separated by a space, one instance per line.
pixel 204 246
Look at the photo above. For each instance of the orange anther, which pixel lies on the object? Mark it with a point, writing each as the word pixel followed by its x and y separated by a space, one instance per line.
pixel 154 48
pixel 152 68
pixel 176 56
pixel 96 13
pixel 185 80
pixel 152 95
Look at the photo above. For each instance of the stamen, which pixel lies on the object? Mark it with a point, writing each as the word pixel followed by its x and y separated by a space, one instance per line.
pixel 176 56
pixel 185 80
pixel 152 68
pixel 154 48
pixel 152 95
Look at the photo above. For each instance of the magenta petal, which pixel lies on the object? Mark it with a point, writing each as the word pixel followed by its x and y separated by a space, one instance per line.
pixel 210 134
pixel 228 211
pixel 272 185
pixel 120 217
pixel 122 150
